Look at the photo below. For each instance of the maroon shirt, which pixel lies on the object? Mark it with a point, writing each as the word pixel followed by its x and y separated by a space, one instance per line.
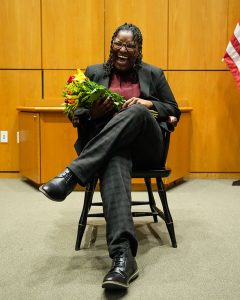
pixel 125 84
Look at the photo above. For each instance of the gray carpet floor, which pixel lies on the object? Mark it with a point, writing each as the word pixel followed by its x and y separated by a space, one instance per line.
pixel 38 260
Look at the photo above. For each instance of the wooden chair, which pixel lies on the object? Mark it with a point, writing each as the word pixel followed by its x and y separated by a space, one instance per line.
pixel 154 211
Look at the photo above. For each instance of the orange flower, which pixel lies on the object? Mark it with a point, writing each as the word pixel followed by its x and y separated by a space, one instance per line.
pixel 71 101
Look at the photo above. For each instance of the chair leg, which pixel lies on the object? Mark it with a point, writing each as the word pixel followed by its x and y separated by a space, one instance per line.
pixel 167 214
pixel 152 202
pixel 86 207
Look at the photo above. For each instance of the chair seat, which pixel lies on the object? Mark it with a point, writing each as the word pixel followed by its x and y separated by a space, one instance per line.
pixel 159 173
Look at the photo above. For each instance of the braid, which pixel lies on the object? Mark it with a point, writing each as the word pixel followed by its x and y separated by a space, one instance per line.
pixel 137 37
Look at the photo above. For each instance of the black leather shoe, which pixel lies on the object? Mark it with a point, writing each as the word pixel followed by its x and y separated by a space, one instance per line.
pixel 124 270
pixel 60 186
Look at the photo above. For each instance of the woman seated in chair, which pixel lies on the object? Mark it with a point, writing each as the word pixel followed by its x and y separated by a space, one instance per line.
pixel 111 144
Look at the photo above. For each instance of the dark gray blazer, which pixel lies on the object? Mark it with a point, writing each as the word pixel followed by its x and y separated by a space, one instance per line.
pixel 153 86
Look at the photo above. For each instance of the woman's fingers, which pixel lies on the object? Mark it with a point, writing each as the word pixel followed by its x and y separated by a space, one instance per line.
pixel 134 100
pixel 130 102
pixel 108 104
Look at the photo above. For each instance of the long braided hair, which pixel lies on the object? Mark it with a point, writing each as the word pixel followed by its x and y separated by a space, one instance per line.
pixel 137 37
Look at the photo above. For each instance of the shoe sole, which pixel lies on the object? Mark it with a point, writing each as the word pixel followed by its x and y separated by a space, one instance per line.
pixel 115 285
pixel 49 197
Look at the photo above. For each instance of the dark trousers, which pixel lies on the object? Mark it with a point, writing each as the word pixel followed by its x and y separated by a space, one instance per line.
pixel 132 138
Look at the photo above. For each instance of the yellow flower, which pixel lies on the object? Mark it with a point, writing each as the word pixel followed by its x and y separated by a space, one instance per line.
pixel 80 76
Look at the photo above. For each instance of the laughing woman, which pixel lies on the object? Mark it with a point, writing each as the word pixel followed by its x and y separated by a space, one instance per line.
pixel 111 143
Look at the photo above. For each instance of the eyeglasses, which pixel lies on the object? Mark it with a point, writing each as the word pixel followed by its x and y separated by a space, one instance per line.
pixel 117 45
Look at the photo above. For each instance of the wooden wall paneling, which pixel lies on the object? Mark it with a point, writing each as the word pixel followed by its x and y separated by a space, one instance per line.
pixel 197 34
pixel 72 33
pixel 233 16
pixel 15 87
pixel 207 175
pixel 20 34
pixel 54 82
pixel 215 124
pixel 56 130
pixel 151 16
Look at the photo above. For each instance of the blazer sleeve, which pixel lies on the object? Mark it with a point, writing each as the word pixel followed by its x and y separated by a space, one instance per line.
pixel 162 97
pixel 88 72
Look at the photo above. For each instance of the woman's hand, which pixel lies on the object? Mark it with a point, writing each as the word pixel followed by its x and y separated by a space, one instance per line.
pixel 135 100
pixel 101 107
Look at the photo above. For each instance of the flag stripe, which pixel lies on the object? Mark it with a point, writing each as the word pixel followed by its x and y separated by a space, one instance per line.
pixel 233 68
pixel 237 32
pixel 236 44
pixel 233 54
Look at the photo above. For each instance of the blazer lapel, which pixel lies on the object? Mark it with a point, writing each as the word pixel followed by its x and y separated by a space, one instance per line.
pixel 144 81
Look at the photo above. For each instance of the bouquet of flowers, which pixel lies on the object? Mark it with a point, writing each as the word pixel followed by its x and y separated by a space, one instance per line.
pixel 80 91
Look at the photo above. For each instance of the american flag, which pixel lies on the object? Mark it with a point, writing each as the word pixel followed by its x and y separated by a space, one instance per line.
pixel 232 55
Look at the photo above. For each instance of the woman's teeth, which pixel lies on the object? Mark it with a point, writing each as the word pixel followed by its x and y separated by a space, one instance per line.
pixel 122 57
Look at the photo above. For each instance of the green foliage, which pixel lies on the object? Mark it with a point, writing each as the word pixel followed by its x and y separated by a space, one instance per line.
pixel 83 93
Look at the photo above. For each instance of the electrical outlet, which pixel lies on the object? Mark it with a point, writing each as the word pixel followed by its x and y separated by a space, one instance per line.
pixel 4 136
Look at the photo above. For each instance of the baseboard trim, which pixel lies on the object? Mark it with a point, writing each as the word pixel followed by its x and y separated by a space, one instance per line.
pixel 7 174
pixel 213 175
